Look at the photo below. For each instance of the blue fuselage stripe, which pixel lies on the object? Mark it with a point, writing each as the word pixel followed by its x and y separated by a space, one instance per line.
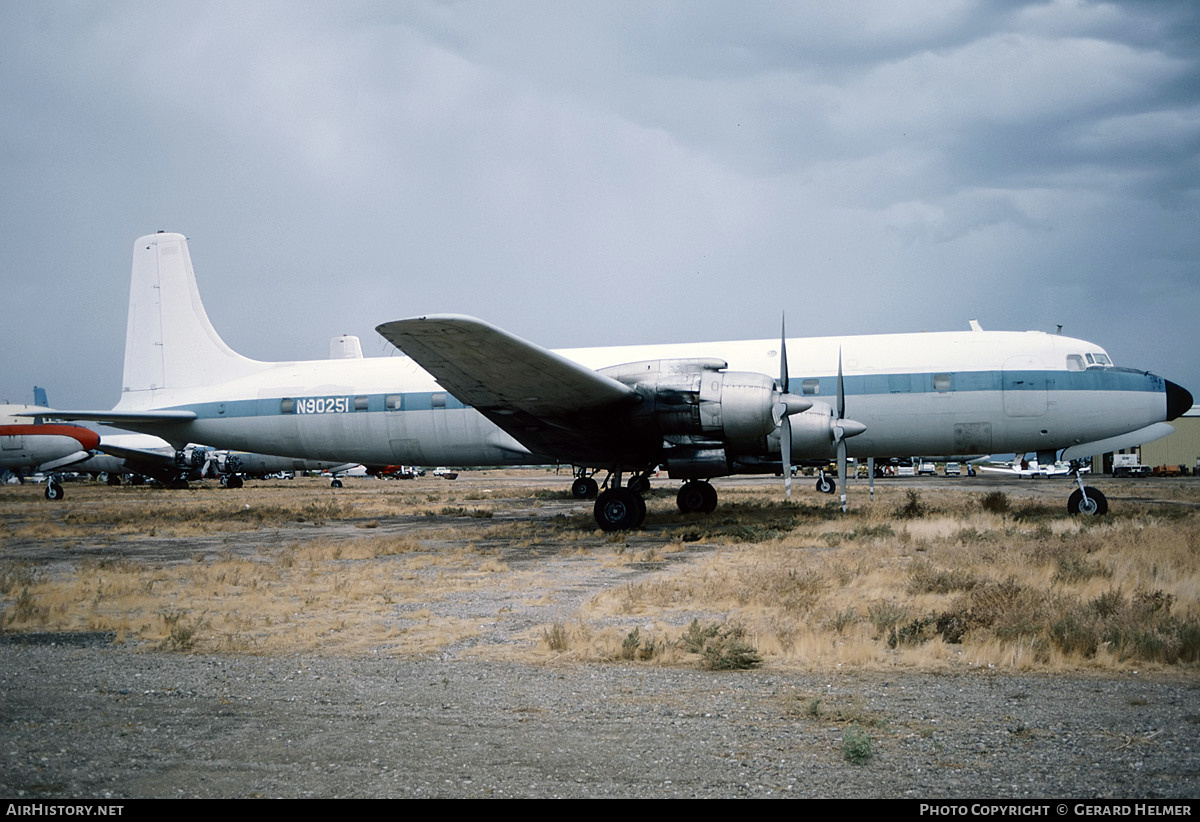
pixel 1095 379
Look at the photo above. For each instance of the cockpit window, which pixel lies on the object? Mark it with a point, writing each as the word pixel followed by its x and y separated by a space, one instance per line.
pixel 1075 362
pixel 1090 360
pixel 1102 359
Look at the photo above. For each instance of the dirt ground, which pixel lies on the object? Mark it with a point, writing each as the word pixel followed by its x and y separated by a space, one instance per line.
pixel 87 716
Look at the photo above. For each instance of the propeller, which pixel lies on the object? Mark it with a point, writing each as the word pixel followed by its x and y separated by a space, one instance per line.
pixel 843 429
pixel 839 432
pixel 782 411
pixel 785 433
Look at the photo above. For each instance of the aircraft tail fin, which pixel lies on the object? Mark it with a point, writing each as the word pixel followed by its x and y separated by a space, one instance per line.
pixel 170 344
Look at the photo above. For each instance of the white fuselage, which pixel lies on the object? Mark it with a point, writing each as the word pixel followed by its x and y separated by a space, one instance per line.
pixel 932 393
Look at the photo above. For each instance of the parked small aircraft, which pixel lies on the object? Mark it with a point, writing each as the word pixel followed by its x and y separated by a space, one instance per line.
pixel 146 455
pixel 1031 468
pixel 39 447
pixel 469 393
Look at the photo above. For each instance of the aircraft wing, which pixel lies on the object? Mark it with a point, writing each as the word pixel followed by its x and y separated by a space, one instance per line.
pixel 138 456
pixel 548 403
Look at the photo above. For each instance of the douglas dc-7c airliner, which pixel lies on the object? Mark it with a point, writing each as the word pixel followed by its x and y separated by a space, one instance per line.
pixel 468 393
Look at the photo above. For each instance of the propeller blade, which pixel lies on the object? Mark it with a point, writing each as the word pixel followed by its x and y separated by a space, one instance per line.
pixel 782 411
pixel 785 448
pixel 841 390
pixel 783 366
pixel 841 463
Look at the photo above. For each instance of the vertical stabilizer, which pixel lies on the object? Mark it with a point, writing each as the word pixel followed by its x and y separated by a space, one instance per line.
pixel 170 344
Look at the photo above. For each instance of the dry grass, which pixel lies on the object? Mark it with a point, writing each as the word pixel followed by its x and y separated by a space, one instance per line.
pixel 942 580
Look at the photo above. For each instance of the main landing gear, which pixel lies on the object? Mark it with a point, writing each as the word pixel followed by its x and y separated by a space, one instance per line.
pixel 697 497
pixel 617 508
pixel 584 487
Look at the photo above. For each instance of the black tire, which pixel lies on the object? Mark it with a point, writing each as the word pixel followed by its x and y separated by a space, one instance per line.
pixel 233 481
pixel 54 491
pixel 1096 505
pixel 619 509
pixel 640 485
pixel 113 479
pixel 584 488
pixel 697 497
pixel 826 485
pixel 337 483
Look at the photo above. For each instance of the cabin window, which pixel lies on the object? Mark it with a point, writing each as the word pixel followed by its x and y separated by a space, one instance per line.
pixel 393 402
pixel 361 402
pixel 287 406
pixel 1074 362
pixel 810 386
pixel 438 400
pixel 941 382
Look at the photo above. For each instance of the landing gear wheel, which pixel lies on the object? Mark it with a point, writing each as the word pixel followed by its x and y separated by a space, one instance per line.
pixel 826 485
pixel 696 497
pixel 619 509
pixel 113 479
pixel 1095 505
pixel 584 488
pixel 233 481
pixel 639 485
pixel 54 491
pixel 337 483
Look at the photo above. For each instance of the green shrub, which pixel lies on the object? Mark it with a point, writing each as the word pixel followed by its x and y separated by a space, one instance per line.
pixel 913 507
pixel 995 502
pixel 720 648
pixel 856 745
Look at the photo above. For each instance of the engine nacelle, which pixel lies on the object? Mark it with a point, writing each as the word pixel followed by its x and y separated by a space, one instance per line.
pixel 739 405
pixel 698 397
pixel 193 456
pixel 227 463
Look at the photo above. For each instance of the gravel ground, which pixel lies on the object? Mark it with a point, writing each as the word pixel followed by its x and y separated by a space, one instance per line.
pixel 85 719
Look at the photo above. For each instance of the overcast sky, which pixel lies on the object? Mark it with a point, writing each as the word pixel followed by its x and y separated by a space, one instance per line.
pixel 588 173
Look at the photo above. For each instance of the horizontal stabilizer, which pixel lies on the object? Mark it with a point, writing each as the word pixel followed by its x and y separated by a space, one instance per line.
pixel 1139 437
pixel 115 417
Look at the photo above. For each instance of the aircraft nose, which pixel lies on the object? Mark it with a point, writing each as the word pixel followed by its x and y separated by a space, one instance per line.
pixel 1179 400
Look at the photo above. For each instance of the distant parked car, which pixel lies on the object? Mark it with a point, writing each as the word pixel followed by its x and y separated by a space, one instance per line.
pixel 927 469
pixel 953 470
pixel 445 473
